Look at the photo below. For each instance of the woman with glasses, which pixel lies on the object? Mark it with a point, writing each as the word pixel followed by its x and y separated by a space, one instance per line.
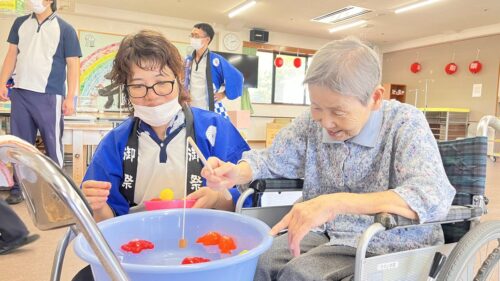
pixel 147 152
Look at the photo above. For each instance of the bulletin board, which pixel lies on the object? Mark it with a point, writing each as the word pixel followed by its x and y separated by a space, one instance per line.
pixel 98 52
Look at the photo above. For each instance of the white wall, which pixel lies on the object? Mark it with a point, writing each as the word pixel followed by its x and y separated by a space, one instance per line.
pixel 5 24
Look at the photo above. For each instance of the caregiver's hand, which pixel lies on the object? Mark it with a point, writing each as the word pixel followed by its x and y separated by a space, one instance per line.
pixel 96 193
pixel 205 198
pixel 303 217
pixel 211 199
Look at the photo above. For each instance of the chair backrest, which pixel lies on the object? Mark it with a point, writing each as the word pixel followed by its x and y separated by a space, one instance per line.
pixel 464 161
pixel 37 175
pixel 45 207
pixel 54 200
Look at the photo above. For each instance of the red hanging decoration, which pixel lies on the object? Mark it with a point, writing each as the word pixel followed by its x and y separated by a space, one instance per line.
pixel 297 62
pixel 475 67
pixel 415 67
pixel 451 68
pixel 278 61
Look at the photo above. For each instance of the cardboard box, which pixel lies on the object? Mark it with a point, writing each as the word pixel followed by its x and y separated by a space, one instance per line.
pixel 240 118
pixel 272 130
pixel 282 120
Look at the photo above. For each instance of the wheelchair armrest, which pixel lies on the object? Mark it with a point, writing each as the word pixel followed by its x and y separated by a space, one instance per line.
pixel 455 214
pixel 258 187
pixel 277 185
pixel 390 221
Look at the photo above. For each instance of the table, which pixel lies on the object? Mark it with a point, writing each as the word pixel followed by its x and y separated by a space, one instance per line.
pixel 82 131
pixel 80 136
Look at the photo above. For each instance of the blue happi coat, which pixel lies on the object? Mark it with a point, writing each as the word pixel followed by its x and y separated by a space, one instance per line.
pixel 107 162
pixel 221 73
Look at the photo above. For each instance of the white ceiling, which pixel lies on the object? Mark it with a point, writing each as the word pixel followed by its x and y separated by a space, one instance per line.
pixel 445 17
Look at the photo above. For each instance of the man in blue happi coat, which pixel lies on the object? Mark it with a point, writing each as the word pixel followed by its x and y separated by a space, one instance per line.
pixel 209 78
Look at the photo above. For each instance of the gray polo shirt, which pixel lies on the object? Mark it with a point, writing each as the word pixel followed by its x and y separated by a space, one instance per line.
pixel 42 52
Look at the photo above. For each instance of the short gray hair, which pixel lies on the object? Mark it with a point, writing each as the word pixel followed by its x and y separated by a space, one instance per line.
pixel 348 67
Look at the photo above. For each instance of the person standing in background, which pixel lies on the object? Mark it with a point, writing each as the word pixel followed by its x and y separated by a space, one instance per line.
pixel 13 232
pixel 42 48
pixel 209 78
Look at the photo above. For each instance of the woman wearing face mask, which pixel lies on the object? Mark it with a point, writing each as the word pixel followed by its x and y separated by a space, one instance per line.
pixel 147 152
pixel 209 78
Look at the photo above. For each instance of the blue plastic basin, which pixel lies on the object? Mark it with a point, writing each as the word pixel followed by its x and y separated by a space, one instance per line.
pixel 163 228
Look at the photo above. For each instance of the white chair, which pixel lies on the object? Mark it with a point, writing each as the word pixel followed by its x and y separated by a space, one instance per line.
pixel 54 201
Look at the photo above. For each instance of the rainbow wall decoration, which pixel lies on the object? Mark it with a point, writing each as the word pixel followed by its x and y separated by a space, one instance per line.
pixel 94 68
pixel 98 50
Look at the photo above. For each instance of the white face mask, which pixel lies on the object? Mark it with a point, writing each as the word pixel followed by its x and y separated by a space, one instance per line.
pixel 37 6
pixel 196 43
pixel 158 115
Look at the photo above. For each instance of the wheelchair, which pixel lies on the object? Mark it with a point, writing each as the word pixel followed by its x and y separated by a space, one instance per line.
pixel 472 248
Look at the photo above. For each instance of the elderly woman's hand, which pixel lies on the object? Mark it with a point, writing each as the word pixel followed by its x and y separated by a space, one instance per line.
pixel 303 217
pixel 224 175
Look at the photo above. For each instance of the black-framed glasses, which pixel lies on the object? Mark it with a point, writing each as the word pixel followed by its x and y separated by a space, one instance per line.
pixel 162 88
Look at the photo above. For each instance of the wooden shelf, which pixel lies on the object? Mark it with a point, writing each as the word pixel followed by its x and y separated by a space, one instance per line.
pixel 395 91
pixel 447 123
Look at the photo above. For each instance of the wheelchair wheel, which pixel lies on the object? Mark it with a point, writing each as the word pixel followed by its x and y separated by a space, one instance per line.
pixel 476 256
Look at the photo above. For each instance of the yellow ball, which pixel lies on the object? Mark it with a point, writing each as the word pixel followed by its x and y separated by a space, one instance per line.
pixel 167 194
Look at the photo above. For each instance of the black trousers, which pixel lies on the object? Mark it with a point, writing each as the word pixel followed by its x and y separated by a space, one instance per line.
pixel 11 226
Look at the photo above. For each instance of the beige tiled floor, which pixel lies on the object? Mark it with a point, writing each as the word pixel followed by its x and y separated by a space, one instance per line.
pixel 34 262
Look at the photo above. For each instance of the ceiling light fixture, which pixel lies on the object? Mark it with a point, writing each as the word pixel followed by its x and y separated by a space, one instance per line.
pixel 346 26
pixel 414 6
pixel 341 14
pixel 240 8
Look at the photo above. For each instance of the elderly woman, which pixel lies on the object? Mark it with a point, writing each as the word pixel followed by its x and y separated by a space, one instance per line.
pixel 359 155
pixel 147 152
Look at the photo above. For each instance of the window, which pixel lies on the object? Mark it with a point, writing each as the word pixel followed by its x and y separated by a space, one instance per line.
pixel 263 94
pixel 308 100
pixel 288 87
pixel 280 85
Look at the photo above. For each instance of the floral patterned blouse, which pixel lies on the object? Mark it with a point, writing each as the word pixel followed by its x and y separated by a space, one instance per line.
pixel 395 150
